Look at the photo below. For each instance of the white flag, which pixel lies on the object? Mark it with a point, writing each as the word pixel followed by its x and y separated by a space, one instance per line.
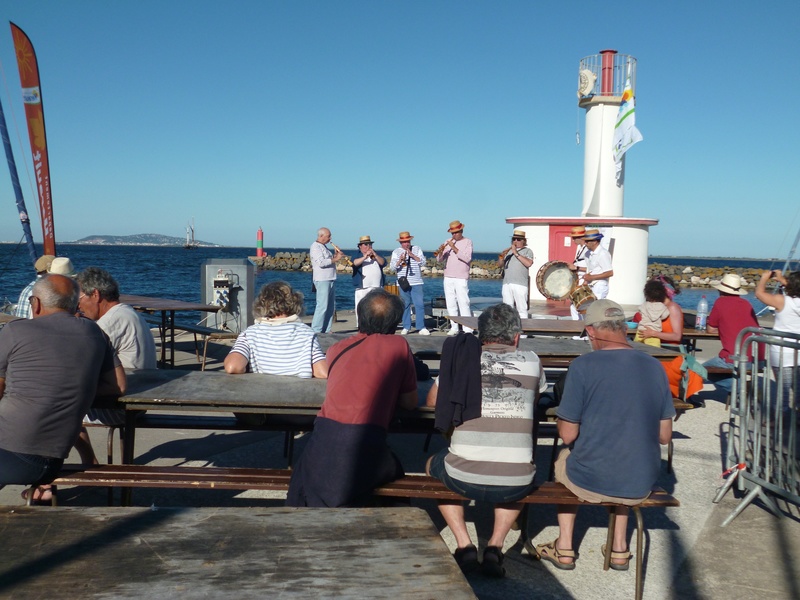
pixel 625 132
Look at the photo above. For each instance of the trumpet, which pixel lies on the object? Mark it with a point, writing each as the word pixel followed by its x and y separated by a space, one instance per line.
pixel 404 262
pixel 502 255
pixel 347 261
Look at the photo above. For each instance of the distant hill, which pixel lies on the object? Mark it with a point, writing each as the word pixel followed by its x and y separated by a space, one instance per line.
pixel 139 239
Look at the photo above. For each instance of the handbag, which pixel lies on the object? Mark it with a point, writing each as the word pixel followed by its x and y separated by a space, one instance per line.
pixel 402 281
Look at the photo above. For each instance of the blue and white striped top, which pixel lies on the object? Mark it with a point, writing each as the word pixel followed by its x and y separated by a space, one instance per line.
pixel 282 349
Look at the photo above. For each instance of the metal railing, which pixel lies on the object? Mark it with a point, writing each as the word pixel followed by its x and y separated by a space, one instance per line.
pixel 762 453
pixel 619 71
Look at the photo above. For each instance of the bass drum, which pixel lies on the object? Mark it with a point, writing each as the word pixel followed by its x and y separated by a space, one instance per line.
pixel 582 296
pixel 555 280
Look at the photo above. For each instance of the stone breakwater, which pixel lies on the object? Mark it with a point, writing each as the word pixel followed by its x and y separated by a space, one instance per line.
pixel 696 277
pixel 700 277
pixel 299 261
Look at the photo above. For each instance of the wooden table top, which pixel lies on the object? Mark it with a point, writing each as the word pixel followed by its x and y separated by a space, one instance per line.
pixel 150 303
pixel 93 552
pixel 174 387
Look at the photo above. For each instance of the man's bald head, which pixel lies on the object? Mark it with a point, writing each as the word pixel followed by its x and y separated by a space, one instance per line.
pixel 379 312
pixel 56 293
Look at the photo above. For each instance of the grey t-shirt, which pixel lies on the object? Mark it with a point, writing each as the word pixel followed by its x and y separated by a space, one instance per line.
pixel 515 271
pixel 51 365
pixel 618 397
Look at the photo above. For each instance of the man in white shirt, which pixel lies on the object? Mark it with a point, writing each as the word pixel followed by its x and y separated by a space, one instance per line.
pixel 367 270
pixel 323 263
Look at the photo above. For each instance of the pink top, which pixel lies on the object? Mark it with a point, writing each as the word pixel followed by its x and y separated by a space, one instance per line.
pixel 457 263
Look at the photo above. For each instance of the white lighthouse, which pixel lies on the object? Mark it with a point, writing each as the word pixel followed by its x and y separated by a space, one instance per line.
pixel 601 87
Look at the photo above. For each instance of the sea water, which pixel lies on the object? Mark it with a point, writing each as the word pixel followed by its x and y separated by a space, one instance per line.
pixel 172 272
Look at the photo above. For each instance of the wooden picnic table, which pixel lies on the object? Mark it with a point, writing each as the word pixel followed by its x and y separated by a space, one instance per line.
pixel 95 552
pixel 167 307
pixel 554 352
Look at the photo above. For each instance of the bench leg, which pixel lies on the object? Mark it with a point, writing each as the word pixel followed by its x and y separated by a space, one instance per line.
pixel 670 450
pixel 205 354
pixel 612 521
pixel 639 551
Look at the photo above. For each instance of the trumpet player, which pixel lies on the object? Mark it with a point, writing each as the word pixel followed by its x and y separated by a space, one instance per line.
pixel 456 253
pixel 323 263
pixel 367 270
pixel 407 261
pixel 515 262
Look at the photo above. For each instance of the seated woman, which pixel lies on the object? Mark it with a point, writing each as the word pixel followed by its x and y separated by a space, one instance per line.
pixel 672 327
pixel 787 318
pixel 278 343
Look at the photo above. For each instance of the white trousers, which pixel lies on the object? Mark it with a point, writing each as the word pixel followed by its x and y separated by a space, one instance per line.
pixel 360 293
pixel 456 295
pixel 516 296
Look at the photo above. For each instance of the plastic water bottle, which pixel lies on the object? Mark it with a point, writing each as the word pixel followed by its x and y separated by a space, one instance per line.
pixel 702 314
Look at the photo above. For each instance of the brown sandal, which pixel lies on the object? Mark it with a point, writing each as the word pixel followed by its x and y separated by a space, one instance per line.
pixel 552 553
pixel 626 556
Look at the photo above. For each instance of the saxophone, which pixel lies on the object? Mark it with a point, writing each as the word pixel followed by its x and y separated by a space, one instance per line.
pixel 347 261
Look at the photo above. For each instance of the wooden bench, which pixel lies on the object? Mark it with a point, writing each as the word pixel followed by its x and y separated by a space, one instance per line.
pixel 410 486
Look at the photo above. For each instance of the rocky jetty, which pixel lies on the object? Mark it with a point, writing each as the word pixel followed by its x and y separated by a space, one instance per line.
pixel 696 277
pixel 701 277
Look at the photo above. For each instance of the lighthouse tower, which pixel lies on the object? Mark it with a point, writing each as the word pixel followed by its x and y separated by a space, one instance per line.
pixel 601 91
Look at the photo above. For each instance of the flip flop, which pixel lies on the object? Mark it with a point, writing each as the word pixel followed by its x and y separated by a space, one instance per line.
pixel 552 553
pixel 42 496
pixel 626 556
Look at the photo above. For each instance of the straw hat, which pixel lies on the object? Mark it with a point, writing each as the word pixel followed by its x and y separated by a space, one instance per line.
pixel 603 310
pixel 42 264
pixel 731 284
pixel 578 232
pixel 364 239
pixel 518 233
pixel 455 227
pixel 62 266
pixel 404 236
pixel 593 235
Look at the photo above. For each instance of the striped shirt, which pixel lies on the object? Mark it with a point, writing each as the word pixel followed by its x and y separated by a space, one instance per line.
pixel 497 447
pixel 284 349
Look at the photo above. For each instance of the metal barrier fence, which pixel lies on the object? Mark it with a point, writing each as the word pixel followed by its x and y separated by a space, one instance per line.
pixel 762 452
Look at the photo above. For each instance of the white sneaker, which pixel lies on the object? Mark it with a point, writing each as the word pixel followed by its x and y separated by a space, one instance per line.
pixel 424 332
pixel 404 332
pixel 453 332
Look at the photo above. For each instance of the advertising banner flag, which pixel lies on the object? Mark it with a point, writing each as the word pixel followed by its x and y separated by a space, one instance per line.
pixel 34 112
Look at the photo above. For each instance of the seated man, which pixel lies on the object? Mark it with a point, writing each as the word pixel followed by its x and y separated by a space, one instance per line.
pixel 616 410
pixel 490 457
pixel 369 375
pixel 730 314
pixel 129 334
pixel 51 369
pixel 23 309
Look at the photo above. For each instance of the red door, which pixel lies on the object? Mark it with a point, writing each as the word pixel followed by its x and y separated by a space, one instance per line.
pixel 561 245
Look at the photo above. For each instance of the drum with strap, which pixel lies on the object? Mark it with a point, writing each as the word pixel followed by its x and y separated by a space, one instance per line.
pixel 555 280
pixel 582 296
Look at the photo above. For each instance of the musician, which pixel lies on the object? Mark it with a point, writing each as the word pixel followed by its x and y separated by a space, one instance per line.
pixel 407 261
pixel 598 265
pixel 456 253
pixel 323 263
pixel 515 262
pixel 579 264
pixel 367 270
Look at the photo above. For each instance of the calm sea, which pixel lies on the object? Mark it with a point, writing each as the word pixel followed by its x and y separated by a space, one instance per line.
pixel 172 272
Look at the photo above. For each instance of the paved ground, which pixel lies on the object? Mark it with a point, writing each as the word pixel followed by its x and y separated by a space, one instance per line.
pixel 689 555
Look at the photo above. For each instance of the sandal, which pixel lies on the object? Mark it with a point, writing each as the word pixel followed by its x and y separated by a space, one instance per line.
pixel 492 565
pixel 42 495
pixel 626 556
pixel 467 558
pixel 552 553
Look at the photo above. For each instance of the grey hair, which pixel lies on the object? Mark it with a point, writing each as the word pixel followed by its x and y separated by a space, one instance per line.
pixel 379 312
pixel 499 324
pixel 50 297
pixel 616 326
pixel 95 278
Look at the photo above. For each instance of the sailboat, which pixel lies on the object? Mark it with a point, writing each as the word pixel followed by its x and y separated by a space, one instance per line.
pixel 190 243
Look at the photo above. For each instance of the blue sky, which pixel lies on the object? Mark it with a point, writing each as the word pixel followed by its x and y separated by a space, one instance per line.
pixel 372 117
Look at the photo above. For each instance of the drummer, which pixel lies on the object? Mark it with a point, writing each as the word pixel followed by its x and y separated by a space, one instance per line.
pixel 598 265
pixel 515 262
pixel 579 264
